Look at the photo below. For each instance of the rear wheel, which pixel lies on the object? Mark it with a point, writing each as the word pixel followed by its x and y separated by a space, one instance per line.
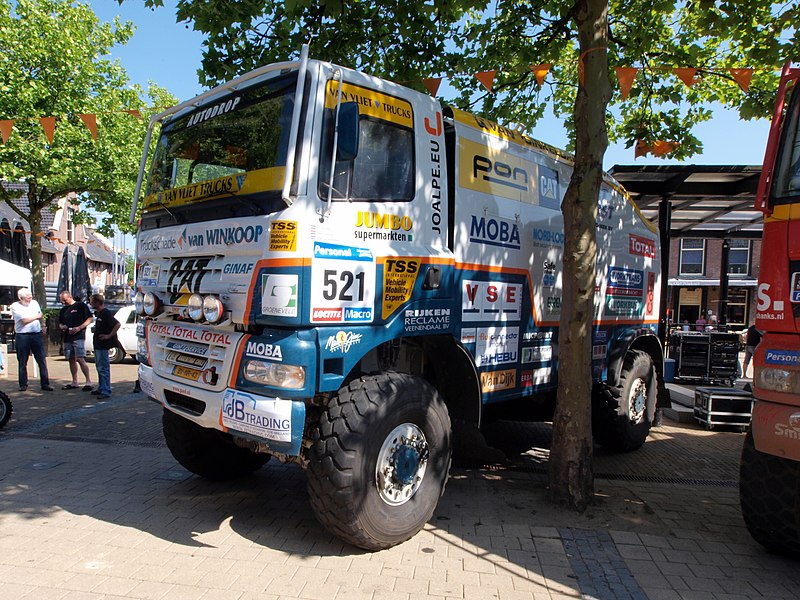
pixel 5 408
pixel 379 459
pixel 208 452
pixel 620 422
pixel 769 492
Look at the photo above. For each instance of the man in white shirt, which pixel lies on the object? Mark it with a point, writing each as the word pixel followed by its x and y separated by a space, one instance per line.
pixel 28 337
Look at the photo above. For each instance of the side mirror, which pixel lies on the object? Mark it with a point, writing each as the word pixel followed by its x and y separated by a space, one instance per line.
pixel 347 141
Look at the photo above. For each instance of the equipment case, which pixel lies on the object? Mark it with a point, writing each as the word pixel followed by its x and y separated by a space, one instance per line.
pixel 723 406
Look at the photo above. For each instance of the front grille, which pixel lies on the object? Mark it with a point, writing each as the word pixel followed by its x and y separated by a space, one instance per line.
pixel 187 403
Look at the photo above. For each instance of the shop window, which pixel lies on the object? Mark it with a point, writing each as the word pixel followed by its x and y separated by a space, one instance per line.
pixel 739 257
pixel 693 255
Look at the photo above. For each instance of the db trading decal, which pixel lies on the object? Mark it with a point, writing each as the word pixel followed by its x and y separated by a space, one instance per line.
pixel 494 381
pixel 268 419
pixel 279 295
pixel 342 284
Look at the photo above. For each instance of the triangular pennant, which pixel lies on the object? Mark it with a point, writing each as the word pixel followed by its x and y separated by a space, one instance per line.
pixel 432 85
pixel 49 126
pixel 626 75
pixel 641 149
pixel 5 129
pixel 135 112
pixel 661 148
pixel 486 78
pixel 91 124
pixel 742 77
pixel 540 71
pixel 686 75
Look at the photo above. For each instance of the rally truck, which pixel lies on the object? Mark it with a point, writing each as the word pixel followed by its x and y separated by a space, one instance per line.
pixel 341 272
pixel 769 477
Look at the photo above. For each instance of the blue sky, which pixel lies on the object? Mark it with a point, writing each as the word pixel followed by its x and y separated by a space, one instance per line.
pixel 169 54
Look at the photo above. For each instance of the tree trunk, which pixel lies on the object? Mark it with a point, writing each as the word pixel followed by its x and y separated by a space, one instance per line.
pixel 571 477
pixel 35 222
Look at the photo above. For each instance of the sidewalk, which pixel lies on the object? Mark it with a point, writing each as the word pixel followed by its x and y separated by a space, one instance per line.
pixel 92 505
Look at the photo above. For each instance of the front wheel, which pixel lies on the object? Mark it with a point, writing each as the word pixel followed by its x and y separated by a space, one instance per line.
pixel 620 422
pixel 5 408
pixel 769 492
pixel 115 355
pixel 379 459
pixel 208 452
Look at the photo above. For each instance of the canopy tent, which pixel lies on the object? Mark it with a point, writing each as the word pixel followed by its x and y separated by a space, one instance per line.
pixel 13 275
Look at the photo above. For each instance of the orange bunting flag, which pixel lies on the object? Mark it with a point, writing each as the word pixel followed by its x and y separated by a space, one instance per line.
pixel 49 126
pixel 540 71
pixel 432 85
pixel 486 78
pixel 91 124
pixel 742 77
pixel 626 75
pixel 134 112
pixel 686 75
pixel 5 129
pixel 658 148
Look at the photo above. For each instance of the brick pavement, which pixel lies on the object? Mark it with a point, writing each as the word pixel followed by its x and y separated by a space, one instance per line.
pixel 93 506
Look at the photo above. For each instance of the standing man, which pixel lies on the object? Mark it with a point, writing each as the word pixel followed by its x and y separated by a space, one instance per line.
pixel 28 336
pixel 105 338
pixel 73 320
pixel 751 341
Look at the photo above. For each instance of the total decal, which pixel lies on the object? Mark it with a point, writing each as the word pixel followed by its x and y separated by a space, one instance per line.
pixel 261 417
pixel 342 284
pixel 192 334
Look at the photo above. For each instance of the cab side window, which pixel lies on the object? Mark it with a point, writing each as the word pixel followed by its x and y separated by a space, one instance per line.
pixel 383 170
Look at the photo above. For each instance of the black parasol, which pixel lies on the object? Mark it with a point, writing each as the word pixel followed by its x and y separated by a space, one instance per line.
pixel 19 248
pixel 65 274
pixel 5 241
pixel 81 283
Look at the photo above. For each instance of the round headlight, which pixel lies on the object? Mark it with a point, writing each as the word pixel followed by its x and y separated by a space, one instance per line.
pixel 151 304
pixel 138 303
pixel 195 307
pixel 212 309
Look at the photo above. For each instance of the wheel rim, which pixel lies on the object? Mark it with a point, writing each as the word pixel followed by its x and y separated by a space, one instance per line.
pixel 401 465
pixel 638 400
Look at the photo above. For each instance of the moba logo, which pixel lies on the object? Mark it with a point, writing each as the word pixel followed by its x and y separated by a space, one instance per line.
pixel 495 232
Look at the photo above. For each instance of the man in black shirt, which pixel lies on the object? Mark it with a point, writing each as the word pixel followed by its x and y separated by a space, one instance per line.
pixel 105 338
pixel 73 320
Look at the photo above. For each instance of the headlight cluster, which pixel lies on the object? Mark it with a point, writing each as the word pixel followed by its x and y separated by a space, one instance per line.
pixel 778 380
pixel 147 304
pixel 274 374
pixel 205 307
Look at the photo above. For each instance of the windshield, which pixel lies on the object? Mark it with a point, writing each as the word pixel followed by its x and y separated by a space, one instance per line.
pixel 206 153
pixel 787 177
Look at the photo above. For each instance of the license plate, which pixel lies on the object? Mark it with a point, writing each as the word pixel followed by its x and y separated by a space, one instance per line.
pixel 186 373
pixel 192 361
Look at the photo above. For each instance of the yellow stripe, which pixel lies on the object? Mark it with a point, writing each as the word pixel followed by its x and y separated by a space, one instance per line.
pixel 785 212
pixel 371 103
pixel 262 180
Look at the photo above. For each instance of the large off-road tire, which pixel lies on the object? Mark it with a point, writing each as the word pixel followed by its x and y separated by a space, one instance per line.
pixel 379 459
pixel 5 408
pixel 620 422
pixel 208 452
pixel 769 492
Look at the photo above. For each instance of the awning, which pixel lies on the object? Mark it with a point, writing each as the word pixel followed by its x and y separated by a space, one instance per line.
pixel 677 282
pixel 13 275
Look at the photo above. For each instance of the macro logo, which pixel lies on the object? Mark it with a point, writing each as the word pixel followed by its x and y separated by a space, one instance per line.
pixel 494 231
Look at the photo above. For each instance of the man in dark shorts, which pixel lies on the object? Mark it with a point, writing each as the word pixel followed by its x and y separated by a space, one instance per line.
pixel 105 338
pixel 73 320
